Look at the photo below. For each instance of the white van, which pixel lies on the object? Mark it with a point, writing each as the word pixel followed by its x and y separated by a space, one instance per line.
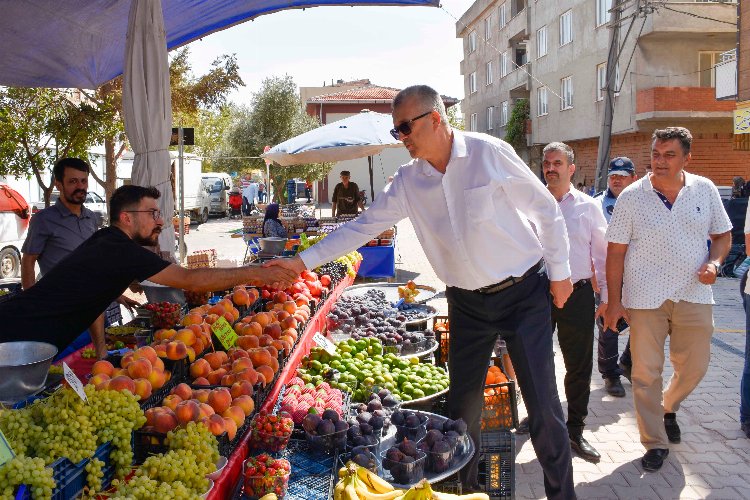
pixel 218 184
pixel 13 229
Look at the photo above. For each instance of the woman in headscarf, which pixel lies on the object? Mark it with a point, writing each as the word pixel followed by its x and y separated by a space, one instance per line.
pixel 272 226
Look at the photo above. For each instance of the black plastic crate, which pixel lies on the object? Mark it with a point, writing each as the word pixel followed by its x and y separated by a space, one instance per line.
pixel 500 409
pixel 147 443
pixel 497 455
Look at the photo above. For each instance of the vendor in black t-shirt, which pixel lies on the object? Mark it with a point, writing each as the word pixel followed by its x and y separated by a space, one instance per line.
pixel 70 296
pixel 346 197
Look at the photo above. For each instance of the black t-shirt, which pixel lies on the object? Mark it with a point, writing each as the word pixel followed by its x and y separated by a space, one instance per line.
pixel 346 198
pixel 79 288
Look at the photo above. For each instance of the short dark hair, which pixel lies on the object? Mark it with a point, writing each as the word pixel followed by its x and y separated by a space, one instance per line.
pixel 59 169
pixel 680 133
pixel 346 173
pixel 127 197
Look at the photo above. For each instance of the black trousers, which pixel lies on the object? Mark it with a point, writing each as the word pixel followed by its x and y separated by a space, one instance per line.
pixel 522 313
pixel 575 333
pixel 608 351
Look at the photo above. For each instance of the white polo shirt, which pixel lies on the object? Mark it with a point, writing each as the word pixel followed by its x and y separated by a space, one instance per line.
pixel 666 248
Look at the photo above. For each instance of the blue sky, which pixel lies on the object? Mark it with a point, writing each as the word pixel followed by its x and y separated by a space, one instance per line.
pixel 392 46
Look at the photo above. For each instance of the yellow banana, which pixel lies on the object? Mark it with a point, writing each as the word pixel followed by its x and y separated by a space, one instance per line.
pixel 338 490
pixel 269 496
pixel 365 494
pixel 438 495
pixel 350 492
pixel 342 472
pixel 373 481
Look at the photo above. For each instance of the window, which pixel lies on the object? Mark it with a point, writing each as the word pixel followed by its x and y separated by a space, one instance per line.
pixel 504 113
pixel 503 64
pixel 602 11
pixel 706 63
pixel 566 27
pixel 501 16
pixel 541 42
pixel 473 82
pixel 566 92
pixel 601 81
pixel 489 73
pixel 472 41
pixel 490 117
pixel 488 28
pixel 541 101
pixel 473 123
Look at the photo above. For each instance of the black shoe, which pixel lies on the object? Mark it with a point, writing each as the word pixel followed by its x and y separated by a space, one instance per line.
pixel 654 459
pixel 523 426
pixel 673 430
pixel 614 387
pixel 626 371
pixel 584 450
pixel 745 427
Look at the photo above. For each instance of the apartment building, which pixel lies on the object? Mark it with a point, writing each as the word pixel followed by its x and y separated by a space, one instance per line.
pixel 555 55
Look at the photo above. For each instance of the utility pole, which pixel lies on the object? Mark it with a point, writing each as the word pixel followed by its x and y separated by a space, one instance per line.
pixel 602 159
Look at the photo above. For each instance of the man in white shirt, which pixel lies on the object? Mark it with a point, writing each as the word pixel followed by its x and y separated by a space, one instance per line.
pixel 621 175
pixel 660 269
pixel 249 194
pixel 472 201
pixel 575 320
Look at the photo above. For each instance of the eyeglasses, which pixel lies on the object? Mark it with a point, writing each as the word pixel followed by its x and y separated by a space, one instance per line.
pixel 405 128
pixel 156 214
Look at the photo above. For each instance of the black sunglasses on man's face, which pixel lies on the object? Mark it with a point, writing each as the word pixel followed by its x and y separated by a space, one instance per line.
pixel 405 127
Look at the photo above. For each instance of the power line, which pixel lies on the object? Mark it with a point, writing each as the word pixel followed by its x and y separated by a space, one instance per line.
pixel 697 16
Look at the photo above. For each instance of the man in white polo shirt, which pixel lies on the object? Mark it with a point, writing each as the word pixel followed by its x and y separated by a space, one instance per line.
pixel 657 251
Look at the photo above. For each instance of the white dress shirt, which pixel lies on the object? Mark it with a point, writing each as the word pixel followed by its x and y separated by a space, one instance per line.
pixel 666 248
pixel 586 233
pixel 251 192
pixel 472 221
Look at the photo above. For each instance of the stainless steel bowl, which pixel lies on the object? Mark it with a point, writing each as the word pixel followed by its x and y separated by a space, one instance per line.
pixel 272 245
pixel 23 368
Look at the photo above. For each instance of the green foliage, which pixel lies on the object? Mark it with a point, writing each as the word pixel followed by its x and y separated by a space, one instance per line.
pixel 515 130
pixel 455 118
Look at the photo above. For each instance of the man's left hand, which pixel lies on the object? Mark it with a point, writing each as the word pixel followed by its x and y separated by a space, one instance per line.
pixel 601 311
pixel 560 291
pixel 708 272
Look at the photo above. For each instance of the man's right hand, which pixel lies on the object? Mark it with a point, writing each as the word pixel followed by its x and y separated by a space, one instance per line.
pixel 560 291
pixel 614 312
pixel 277 276
pixel 294 264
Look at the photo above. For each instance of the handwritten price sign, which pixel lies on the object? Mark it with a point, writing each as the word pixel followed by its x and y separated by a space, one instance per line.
pixel 225 333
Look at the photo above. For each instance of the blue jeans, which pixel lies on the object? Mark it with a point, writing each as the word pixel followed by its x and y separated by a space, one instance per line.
pixel 745 379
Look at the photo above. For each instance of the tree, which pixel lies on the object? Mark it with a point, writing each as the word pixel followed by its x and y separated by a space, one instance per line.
pixel 515 130
pixel 39 126
pixel 275 115
pixel 455 118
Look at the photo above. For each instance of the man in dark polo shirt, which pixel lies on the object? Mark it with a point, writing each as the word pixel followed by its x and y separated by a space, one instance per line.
pixel 75 292
pixel 345 199
pixel 58 230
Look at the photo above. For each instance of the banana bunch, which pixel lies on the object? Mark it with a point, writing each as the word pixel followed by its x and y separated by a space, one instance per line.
pixel 408 292
pixel 358 483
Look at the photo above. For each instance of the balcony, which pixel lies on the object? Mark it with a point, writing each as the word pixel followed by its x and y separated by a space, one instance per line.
pixel 517 78
pixel 726 76
pixel 516 27
pixel 680 102
pixel 692 17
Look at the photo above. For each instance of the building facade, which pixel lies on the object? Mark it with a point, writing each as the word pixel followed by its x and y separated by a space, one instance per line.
pixel 555 55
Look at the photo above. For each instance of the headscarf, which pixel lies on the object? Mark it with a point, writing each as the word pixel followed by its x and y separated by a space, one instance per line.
pixel 272 212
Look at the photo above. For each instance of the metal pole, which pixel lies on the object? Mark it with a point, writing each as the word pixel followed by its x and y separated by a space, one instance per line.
pixel 602 159
pixel 180 148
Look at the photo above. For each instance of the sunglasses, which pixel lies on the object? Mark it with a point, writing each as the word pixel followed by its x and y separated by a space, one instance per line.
pixel 405 128
pixel 156 214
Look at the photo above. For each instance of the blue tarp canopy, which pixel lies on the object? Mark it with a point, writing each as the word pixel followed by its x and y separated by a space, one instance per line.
pixel 81 43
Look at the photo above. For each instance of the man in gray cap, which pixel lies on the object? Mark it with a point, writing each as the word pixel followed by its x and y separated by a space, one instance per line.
pixel 621 174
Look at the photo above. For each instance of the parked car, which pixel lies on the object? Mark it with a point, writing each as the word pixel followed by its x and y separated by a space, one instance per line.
pixel 93 202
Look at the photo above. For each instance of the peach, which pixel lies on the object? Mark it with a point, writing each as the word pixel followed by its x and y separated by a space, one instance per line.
pixel 210 319
pixel 241 297
pixel 248 341
pixel 289 322
pixel 201 381
pixel 164 334
pixel 245 402
pixel 127 359
pixel 192 318
pixel 235 413
pixel 231 427
pixel 239 327
pixel 172 401
pixel 200 368
pixel 274 364
pixel 165 420
pixel 263 319
pixel 98 379
pixel 241 364
pixel 220 399
pixel 103 367
pixel 214 377
pixel 176 350
pixel 150 415
pixel 186 336
pixel 272 351
pixel 279 345
pixel 201 395
pixel 227 380
pixel 291 333
pixel 248 374
pixel 214 360
pixel 102 386
pixel 183 391
pixel 265 340
pixel 216 309
pixel 142 388
pixel 147 352
pixel 241 388
pixel 280 297
pixel 290 306
pixel 188 411
pixel 139 368
pixel 191 352
pixel 161 350
pixel 158 378
pixel 260 356
pixel 254 328
pixel 236 353
pixel 267 372
pixel 282 315
pixel 206 410
pixel 122 383
pixel 215 424
pixel 197 328
pixel 301 301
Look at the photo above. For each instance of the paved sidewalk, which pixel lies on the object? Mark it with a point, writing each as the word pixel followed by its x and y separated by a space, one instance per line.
pixel 713 460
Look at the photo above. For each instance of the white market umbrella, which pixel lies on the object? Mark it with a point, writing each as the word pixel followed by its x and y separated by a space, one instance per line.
pixel 147 106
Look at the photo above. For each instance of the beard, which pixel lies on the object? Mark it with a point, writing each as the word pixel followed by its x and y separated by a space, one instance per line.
pixel 72 198
pixel 148 241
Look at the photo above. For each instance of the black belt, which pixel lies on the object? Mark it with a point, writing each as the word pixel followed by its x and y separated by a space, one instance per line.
pixel 580 284
pixel 508 282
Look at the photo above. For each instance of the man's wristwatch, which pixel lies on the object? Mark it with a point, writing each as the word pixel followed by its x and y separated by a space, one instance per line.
pixel 716 264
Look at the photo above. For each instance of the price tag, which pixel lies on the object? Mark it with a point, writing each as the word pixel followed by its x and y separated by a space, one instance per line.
pixel 326 344
pixel 76 384
pixel 224 332
pixel 6 452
